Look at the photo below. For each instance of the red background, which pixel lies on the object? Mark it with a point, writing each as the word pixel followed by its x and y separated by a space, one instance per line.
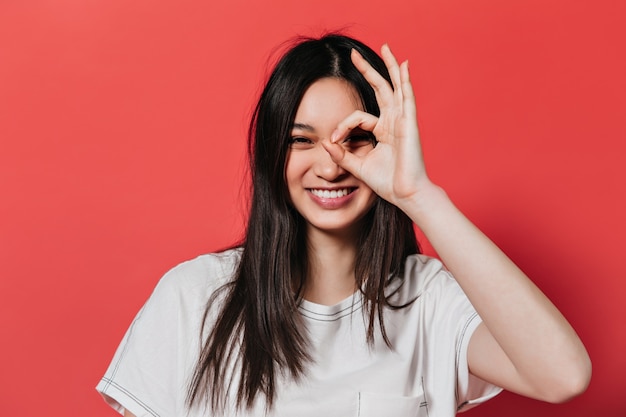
pixel 122 127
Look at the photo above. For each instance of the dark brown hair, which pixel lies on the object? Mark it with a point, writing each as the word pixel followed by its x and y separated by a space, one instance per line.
pixel 259 334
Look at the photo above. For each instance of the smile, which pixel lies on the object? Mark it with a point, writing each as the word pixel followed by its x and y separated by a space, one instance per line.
pixel 331 193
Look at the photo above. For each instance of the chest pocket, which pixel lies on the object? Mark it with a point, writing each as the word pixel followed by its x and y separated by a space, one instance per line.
pixel 384 405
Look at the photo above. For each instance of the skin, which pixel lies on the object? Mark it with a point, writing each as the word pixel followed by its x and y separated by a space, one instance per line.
pixel 331 223
pixel 524 344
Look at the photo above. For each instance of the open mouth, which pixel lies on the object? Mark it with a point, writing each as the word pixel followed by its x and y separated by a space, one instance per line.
pixel 342 192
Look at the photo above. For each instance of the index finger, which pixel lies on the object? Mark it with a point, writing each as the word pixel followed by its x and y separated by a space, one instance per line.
pixel 392 66
pixel 382 89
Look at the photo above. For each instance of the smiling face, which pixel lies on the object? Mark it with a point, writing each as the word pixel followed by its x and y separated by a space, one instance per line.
pixel 328 197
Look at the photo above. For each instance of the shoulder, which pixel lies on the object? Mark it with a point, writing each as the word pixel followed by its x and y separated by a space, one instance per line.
pixel 163 340
pixel 423 267
pixel 426 281
pixel 196 279
pixel 422 274
pixel 176 307
pixel 210 269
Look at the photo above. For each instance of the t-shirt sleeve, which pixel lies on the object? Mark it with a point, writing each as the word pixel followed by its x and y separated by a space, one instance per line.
pixel 150 371
pixel 463 320
pixel 144 376
pixel 471 390
pixel 451 321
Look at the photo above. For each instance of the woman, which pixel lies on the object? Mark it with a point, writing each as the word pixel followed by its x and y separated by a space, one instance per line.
pixel 327 308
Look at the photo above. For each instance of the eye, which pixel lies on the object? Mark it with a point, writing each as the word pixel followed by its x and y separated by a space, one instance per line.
pixel 300 142
pixel 359 140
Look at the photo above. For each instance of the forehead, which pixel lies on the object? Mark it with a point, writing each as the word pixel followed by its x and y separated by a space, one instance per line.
pixel 328 101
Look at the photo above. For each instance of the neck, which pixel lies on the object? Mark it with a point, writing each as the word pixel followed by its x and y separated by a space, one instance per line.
pixel 330 277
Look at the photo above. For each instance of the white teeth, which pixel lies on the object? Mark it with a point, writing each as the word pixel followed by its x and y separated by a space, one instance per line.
pixel 330 194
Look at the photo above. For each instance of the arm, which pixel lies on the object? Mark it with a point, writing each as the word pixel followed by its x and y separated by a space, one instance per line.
pixel 128 414
pixel 524 345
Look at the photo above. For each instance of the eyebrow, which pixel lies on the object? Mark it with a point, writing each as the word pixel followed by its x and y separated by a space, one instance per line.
pixel 303 126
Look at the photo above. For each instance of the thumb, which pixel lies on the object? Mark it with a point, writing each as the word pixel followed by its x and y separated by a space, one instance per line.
pixel 343 158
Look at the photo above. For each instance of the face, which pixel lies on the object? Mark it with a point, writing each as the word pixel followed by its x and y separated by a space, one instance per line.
pixel 328 197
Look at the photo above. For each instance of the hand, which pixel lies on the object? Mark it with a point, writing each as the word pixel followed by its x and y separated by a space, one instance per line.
pixel 394 169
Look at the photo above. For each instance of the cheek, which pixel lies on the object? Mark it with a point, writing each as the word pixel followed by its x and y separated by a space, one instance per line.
pixel 372 199
pixel 289 169
pixel 294 169
pixel 369 196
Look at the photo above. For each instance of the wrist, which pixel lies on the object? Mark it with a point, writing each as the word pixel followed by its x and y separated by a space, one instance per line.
pixel 428 203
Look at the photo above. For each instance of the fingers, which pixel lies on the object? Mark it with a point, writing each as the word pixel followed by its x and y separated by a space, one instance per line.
pixel 343 158
pixel 358 119
pixel 392 67
pixel 340 154
pixel 402 89
pixel 384 93
pixel 408 97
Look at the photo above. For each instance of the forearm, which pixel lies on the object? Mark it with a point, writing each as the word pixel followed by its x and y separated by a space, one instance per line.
pixel 527 345
pixel 539 342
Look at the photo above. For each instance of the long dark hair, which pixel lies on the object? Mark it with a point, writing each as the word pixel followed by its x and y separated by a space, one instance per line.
pixel 259 335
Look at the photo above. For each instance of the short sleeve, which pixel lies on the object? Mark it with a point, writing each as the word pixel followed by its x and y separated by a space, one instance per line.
pixel 142 376
pixel 471 390
pixel 149 373
pixel 448 323
pixel 459 319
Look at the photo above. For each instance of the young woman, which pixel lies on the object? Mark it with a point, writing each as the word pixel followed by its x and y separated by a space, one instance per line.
pixel 327 308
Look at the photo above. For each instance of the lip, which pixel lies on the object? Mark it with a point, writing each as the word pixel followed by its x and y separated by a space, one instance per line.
pixel 332 203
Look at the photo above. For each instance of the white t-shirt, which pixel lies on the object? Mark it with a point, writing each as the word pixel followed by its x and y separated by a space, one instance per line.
pixel 425 374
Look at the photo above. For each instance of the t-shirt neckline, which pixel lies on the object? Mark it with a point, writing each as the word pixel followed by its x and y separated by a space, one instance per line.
pixel 320 312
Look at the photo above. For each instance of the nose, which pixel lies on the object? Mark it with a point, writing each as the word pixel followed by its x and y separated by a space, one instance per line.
pixel 325 168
